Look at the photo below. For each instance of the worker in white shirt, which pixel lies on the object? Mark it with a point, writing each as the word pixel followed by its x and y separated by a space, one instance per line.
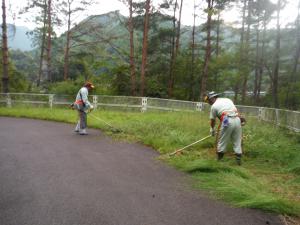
pixel 230 128
pixel 83 105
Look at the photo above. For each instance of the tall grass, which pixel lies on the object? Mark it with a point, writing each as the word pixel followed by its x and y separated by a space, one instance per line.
pixel 269 178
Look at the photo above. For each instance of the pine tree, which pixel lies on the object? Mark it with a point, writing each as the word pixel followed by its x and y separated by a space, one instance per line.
pixel 69 9
pixel 207 58
pixel 5 61
pixel 145 46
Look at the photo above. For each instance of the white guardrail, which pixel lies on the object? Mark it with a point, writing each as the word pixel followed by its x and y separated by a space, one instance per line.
pixel 283 118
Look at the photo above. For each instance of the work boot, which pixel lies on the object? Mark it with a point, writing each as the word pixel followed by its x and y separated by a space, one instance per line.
pixel 83 132
pixel 220 155
pixel 77 128
pixel 238 158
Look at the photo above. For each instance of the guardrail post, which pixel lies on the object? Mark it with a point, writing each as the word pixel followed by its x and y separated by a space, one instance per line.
pixel 51 97
pixel 144 105
pixel 8 100
pixel 199 106
pixel 260 113
pixel 95 101
pixel 277 117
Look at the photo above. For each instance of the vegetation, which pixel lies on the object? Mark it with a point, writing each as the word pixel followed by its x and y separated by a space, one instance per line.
pixel 163 58
pixel 269 178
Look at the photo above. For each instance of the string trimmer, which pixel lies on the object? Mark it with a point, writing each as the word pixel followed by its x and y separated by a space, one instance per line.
pixel 113 129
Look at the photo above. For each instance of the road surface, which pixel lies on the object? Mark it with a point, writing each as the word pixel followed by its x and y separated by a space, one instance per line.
pixel 51 176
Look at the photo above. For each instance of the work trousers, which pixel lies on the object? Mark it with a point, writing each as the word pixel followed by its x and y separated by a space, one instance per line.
pixel 231 132
pixel 82 119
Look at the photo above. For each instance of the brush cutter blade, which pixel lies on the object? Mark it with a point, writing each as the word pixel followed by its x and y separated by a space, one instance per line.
pixel 116 130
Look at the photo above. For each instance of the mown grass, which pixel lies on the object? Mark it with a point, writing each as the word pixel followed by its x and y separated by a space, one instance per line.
pixel 269 178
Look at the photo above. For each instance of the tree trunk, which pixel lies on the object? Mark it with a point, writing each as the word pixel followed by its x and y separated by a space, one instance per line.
pixel 172 59
pixel 291 98
pixel 261 64
pixel 42 45
pixel 245 57
pixel 49 70
pixel 290 95
pixel 175 52
pixel 257 62
pixel 178 30
pixel 145 47
pixel 218 34
pixel 208 49
pixel 67 48
pixel 217 47
pixel 132 63
pixel 192 72
pixel 237 84
pixel 5 62
pixel 276 59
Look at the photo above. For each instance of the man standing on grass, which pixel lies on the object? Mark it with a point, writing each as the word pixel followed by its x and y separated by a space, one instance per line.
pixel 82 104
pixel 230 124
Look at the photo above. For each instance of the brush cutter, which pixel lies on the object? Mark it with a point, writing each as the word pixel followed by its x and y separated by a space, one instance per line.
pixel 113 129
pixel 179 150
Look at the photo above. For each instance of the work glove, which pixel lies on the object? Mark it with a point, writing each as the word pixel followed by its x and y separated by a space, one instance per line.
pixel 91 108
pixel 243 120
pixel 72 106
pixel 212 131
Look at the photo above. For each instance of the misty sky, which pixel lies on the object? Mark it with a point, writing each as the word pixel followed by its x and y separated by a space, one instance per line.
pixel 288 14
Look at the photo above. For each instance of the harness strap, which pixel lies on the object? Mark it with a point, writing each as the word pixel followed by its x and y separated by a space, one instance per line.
pixel 82 99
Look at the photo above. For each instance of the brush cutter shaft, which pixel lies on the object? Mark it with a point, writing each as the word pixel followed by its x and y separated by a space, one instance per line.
pixel 97 118
pixel 179 150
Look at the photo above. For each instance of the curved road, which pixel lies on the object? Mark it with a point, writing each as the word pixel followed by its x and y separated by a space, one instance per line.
pixel 51 176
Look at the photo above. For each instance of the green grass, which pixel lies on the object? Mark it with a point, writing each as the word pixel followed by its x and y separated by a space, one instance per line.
pixel 269 178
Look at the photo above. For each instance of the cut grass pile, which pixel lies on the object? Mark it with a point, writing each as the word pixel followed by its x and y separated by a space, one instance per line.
pixel 269 178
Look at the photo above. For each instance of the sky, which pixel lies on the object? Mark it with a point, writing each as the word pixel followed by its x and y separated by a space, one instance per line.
pixel 103 6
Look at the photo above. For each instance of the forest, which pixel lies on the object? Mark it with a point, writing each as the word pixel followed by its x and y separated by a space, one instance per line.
pixel 151 53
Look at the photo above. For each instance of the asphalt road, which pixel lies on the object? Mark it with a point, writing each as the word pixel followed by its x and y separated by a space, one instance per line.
pixel 52 176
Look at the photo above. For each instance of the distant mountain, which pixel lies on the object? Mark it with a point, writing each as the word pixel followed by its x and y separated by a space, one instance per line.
pixel 114 23
pixel 18 38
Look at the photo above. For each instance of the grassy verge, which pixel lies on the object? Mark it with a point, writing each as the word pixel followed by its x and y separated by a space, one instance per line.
pixel 269 178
